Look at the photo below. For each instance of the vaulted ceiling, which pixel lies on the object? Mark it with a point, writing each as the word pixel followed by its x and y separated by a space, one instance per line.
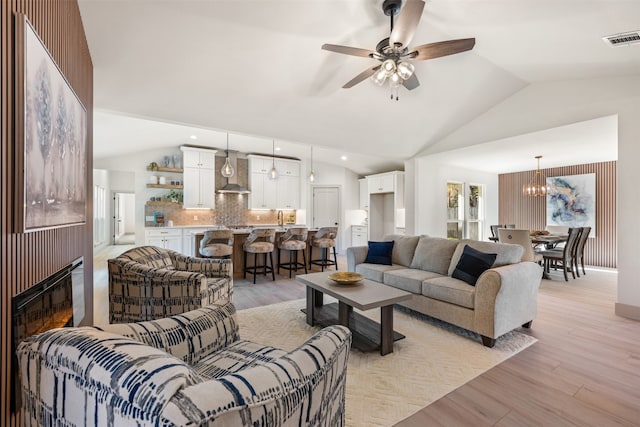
pixel 255 67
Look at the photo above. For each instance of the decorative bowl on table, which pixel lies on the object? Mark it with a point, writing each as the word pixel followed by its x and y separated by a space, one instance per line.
pixel 345 277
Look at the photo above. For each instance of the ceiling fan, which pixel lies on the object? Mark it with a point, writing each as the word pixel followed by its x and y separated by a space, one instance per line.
pixel 393 52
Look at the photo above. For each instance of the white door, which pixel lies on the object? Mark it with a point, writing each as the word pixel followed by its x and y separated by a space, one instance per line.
pixel 326 207
pixel 124 218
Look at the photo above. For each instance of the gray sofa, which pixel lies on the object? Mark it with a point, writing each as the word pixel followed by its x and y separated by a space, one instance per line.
pixel 503 298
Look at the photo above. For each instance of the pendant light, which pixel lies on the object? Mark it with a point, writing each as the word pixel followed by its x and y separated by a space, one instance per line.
pixel 273 173
pixel 312 175
pixel 537 187
pixel 227 169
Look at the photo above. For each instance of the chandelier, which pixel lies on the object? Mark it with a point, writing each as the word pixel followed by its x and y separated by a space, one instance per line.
pixel 537 187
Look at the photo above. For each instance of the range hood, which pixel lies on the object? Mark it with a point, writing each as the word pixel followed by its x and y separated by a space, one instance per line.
pixel 232 186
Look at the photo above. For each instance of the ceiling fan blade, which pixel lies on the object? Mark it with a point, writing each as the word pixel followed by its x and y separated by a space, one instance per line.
pixel 412 82
pixel 438 49
pixel 406 23
pixel 346 50
pixel 362 76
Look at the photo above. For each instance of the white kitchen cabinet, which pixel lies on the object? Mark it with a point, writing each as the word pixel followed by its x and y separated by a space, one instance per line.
pixel 280 193
pixel 199 178
pixel 381 183
pixel 288 192
pixel 359 235
pixel 167 238
pixel 287 167
pixel 364 194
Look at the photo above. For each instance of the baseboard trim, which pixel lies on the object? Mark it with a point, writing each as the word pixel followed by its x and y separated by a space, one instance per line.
pixel 628 311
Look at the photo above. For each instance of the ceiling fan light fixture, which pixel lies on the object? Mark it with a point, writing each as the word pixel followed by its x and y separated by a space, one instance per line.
pixel 395 80
pixel 389 67
pixel 379 77
pixel 405 70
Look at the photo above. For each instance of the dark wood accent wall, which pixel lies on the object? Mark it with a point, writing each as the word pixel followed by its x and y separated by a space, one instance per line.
pixel 530 212
pixel 26 259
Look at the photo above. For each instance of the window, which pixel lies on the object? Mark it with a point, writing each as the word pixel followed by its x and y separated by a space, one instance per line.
pixel 465 210
pixel 455 210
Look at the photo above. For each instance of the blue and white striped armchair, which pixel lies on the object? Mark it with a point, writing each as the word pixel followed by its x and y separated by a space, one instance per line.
pixel 147 283
pixel 186 370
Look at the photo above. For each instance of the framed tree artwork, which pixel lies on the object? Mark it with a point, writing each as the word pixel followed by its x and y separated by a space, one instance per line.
pixel 51 139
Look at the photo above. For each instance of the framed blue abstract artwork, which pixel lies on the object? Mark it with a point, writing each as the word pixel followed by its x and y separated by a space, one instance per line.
pixel 571 202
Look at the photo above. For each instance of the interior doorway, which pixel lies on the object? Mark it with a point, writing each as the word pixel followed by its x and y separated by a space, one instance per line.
pixel 326 207
pixel 124 218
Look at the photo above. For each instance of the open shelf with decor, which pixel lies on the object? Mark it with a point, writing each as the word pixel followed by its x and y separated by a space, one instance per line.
pixel 163 203
pixel 163 169
pixel 169 186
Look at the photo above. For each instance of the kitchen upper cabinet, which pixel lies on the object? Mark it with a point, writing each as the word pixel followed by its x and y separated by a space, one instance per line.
pixel 263 191
pixel 288 192
pixel 364 194
pixel 199 178
pixel 280 193
pixel 287 167
pixel 381 183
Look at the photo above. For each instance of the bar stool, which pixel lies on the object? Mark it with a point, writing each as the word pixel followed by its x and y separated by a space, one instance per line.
pixel 259 241
pixel 217 244
pixel 293 240
pixel 324 239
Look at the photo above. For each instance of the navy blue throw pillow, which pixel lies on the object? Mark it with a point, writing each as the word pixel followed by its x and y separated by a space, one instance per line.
pixel 472 264
pixel 379 253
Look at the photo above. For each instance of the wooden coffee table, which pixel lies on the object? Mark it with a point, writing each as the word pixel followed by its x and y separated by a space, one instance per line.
pixel 367 334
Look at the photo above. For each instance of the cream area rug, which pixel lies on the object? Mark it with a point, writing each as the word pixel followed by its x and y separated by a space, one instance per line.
pixel 434 359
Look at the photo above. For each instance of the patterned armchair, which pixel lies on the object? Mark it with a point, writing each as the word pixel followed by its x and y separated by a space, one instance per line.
pixel 188 369
pixel 148 282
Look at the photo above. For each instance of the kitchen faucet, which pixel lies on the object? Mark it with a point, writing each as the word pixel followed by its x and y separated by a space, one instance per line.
pixel 280 218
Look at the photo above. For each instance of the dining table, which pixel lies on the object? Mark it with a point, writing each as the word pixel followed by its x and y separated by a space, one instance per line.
pixel 549 241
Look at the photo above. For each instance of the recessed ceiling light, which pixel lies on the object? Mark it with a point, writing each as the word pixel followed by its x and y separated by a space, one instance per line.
pixel 343 158
pixel 277 148
pixel 193 137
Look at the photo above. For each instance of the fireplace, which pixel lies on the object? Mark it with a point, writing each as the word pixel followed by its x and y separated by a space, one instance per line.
pixel 46 305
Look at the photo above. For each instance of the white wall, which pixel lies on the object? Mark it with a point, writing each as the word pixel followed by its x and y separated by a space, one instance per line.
pixel 549 104
pixel 430 195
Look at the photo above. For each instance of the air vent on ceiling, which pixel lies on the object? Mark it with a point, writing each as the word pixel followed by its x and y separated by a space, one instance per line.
pixel 623 39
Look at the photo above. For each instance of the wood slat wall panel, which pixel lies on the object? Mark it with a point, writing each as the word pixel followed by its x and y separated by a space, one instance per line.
pixel 26 259
pixel 530 212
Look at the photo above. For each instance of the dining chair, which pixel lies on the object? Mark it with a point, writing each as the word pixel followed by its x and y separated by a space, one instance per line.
pixel 494 230
pixel 564 256
pixel 522 238
pixel 579 255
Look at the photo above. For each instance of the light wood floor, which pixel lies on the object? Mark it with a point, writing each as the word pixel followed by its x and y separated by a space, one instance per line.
pixel 583 371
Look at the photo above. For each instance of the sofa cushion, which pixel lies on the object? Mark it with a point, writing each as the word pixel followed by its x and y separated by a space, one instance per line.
pixel 379 253
pixel 375 272
pixel 403 249
pixel 472 264
pixel 434 254
pixel 450 290
pixel 408 279
pixel 236 357
pixel 506 253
